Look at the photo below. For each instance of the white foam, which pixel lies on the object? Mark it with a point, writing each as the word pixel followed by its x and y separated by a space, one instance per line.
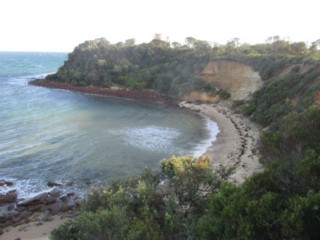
pixel 151 138
pixel 213 131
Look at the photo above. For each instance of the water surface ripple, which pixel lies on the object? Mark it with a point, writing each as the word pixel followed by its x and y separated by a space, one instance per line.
pixel 56 135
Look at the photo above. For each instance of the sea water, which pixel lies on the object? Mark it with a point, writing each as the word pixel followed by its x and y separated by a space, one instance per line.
pixel 80 139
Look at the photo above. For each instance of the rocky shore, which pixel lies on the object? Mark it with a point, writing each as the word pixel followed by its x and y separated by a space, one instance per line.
pixel 145 95
pixel 35 210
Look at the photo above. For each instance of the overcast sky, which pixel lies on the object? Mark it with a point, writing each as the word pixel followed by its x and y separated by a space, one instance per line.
pixel 60 25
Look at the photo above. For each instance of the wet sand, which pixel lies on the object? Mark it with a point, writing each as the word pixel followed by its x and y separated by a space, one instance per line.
pixel 236 144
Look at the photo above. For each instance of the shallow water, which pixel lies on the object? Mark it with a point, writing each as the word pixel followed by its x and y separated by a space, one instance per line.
pixel 56 135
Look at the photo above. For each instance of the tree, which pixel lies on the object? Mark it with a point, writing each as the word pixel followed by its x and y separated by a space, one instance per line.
pixel 102 42
pixel 232 45
pixel 190 41
pixel 202 47
pixel 192 180
pixel 314 49
pixel 176 45
pixel 281 46
pixel 129 42
pixel 299 48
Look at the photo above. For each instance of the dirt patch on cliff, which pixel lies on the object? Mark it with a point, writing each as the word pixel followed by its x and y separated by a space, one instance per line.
pixel 238 79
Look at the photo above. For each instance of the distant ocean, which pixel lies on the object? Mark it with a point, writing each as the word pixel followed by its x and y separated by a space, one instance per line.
pixel 79 139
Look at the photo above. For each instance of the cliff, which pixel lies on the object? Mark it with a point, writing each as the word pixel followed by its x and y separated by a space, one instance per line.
pixel 238 79
pixel 193 73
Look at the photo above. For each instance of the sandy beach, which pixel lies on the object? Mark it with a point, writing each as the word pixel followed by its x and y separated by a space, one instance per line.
pixel 236 142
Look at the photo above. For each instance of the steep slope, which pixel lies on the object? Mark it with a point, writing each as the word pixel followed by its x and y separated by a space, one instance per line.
pixel 293 90
pixel 238 79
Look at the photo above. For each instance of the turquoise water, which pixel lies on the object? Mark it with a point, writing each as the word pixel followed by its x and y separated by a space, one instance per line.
pixel 80 139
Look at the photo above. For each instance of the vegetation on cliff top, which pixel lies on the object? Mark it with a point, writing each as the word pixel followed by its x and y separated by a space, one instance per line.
pixel 172 68
pixel 186 200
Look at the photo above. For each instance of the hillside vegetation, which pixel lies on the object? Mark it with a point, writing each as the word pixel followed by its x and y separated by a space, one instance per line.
pixel 186 200
pixel 172 69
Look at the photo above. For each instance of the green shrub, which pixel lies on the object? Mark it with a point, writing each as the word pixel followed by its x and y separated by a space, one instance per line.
pixel 150 206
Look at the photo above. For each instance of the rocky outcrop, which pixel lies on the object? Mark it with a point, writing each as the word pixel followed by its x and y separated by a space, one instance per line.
pixel 146 95
pixel 238 79
pixel 8 197
pixel 41 207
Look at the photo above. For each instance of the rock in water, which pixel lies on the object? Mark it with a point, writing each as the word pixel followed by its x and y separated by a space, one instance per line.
pixel 8 197
pixel 53 184
pixel 4 183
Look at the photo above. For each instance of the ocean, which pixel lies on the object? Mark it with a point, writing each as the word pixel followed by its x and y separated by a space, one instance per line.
pixel 83 140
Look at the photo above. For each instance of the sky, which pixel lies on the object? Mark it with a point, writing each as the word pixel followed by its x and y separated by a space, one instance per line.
pixel 61 25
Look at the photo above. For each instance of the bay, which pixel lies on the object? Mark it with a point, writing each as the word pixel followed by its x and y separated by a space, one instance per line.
pixel 80 139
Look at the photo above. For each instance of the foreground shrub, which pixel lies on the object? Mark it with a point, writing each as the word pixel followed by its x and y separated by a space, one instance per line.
pixel 166 205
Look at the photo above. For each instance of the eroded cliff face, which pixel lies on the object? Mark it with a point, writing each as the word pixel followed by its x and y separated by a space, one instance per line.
pixel 238 79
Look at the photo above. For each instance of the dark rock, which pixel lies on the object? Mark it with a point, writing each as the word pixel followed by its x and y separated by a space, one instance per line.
pixel 1 231
pixel 55 207
pixel 64 198
pixel 21 208
pixel 50 200
pixel 35 208
pixel 38 199
pixel 4 183
pixel 71 194
pixel 11 206
pixel 78 202
pixel 55 193
pixel 66 207
pixel 53 184
pixel 69 183
pixel 42 206
pixel 42 198
pixel 9 197
pixel 26 215
pixel 16 219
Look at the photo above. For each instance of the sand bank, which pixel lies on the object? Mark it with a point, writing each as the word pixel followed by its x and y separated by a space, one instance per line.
pixel 236 142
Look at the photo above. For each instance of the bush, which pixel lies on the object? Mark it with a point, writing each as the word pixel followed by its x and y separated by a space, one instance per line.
pixel 151 206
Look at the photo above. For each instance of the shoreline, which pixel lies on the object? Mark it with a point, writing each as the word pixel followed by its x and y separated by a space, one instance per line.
pixel 234 146
pixel 236 142
pixel 144 95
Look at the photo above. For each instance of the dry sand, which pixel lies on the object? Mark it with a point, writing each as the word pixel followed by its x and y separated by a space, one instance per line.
pixel 236 142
